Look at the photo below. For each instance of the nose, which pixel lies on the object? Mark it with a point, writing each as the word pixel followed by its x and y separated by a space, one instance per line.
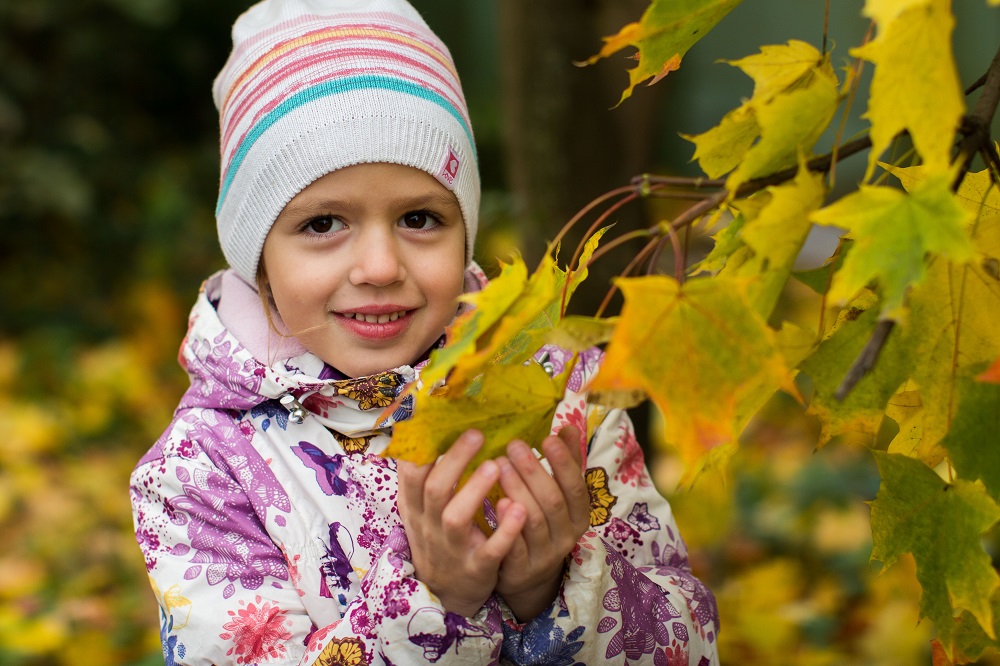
pixel 376 258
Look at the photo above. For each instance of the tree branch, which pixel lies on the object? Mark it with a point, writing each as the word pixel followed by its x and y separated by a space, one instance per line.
pixel 866 359
pixel 976 125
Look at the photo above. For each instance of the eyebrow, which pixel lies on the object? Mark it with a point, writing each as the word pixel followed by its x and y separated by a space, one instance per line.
pixel 317 206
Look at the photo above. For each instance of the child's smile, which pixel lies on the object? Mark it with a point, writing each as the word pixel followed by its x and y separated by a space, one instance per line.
pixel 365 265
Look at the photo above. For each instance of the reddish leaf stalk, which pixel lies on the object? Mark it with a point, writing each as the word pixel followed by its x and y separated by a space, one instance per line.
pixel 632 265
pixel 675 242
pixel 626 189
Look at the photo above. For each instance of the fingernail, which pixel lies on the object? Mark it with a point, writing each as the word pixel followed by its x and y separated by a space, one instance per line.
pixel 517 449
pixel 488 468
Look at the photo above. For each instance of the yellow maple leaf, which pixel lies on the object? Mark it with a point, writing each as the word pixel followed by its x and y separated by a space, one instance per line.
pixel 720 149
pixel 776 232
pixel 514 333
pixel 708 357
pixel 667 29
pixel 512 402
pixel 489 306
pixel 795 96
pixel 915 86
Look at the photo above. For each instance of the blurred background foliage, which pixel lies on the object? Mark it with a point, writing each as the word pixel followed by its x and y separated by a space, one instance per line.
pixel 108 178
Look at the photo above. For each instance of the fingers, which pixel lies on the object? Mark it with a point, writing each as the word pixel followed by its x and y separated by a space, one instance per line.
pixel 439 485
pixel 573 438
pixel 506 539
pixel 411 487
pixel 458 514
pixel 567 472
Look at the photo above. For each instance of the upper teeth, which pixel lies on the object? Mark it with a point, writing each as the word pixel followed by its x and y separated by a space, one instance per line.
pixel 375 319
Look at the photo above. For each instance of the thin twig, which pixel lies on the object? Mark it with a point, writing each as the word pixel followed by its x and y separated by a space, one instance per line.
pixel 621 240
pixel 992 161
pixel 583 242
pixel 677 194
pixel 975 85
pixel 597 225
pixel 826 23
pixel 820 163
pixel 866 359
pixel 645 180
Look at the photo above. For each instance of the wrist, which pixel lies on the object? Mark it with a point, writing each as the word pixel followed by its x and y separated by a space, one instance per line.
pixel 532 600
pixel 462 607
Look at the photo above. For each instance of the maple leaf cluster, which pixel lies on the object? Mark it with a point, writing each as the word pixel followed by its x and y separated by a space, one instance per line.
pixel 907 337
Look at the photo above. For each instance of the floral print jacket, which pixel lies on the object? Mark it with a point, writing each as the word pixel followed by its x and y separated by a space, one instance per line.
pixel 269 527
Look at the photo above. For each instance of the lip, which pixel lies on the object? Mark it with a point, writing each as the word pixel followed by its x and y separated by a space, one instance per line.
pixel 388 308
pixel 374 331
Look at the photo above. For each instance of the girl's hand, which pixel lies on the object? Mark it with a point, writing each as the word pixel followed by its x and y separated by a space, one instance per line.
pixel 450 554
pixel 558 513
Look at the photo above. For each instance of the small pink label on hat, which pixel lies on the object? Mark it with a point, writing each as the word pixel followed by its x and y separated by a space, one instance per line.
pixel 449 170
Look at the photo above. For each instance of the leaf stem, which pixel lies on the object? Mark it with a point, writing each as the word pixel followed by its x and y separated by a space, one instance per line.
pixel 597 225
pixel 625 189
pixel 675 241
pixel 621 240
pixel 636 260
pixel 859 65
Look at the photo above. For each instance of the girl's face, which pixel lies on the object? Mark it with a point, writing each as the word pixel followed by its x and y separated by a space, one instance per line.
pixel 365 265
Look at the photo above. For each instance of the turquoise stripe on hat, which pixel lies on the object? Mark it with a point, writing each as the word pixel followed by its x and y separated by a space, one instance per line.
pixel 334 87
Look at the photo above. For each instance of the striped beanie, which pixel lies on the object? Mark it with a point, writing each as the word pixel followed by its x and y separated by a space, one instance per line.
pixel 312 86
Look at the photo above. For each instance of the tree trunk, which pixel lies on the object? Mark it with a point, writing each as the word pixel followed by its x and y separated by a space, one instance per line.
pixel 564 144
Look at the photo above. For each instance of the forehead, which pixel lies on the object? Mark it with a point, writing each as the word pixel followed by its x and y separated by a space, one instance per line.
pixel 393 186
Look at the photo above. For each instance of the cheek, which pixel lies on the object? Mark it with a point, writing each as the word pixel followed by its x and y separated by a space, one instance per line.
pixel 300 295
pixel 447 281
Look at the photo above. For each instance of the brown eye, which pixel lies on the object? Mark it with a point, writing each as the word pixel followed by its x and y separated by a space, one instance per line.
pixel 323 225
pixel 418 219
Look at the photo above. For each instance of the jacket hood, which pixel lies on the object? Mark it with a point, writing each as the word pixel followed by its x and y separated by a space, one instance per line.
pixel 236 361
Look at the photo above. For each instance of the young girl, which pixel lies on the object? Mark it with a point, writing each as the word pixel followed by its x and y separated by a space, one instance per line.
pixel 273 531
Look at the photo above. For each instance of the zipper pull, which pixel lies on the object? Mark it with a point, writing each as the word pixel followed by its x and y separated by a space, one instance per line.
pixel 296 412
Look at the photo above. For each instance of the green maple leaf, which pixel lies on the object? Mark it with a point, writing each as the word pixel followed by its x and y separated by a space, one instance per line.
pixel 915 86
pixel 978 194
pixel 941 524
pixel 893 233
pixel 861 412
pixel 667 29
pixel 970 440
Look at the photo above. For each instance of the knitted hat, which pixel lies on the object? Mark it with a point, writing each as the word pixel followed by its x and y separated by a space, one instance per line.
pixel 313 86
